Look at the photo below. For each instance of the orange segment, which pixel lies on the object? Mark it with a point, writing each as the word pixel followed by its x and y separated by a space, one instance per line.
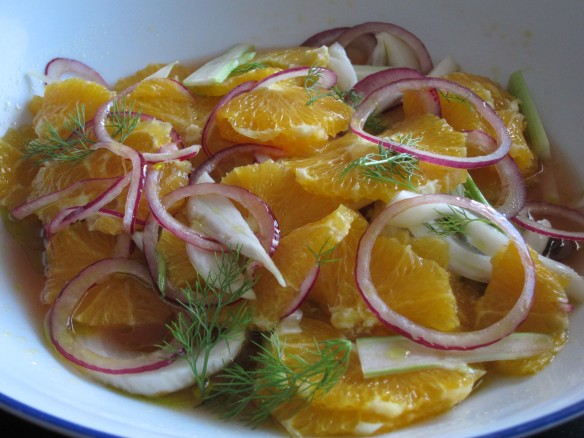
pixel 416 287
pixel 62 100
pixel 294 257
pixel 547 314
pixel 169 101
pixel 462 116
pixel 179 269
pixel 274 182
pixel 278 116
pixel 178 72
pixel 294 57
pixel 122 301
pixel 233 81
pixel 326 172
pixel 15 173
pixel 68 252
pixel 359 406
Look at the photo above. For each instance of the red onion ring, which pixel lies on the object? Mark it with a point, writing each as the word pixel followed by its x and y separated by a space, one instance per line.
pixel 386 96
pixel 158 209
pixel 324 38
pixel 326 78
pixel 423 335
pixel 269 233
pixel 57 67
pixel 67 217
pixel 524 219
pixel 239 149
pixel 61 329
pixel 399 32
pixel 176 154
pixel 381 78
pixel 513 191
pixel 28 207
pixel 303 291
pixel 210 123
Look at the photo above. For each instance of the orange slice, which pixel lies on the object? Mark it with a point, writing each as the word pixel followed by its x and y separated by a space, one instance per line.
pixel 547 314
pixel 278 116
pixel 359 406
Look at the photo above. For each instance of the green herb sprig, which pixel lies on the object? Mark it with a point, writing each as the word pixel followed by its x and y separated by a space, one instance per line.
pixel 280 378
pixel 53 146
pixel 387 165
pixel 453 223
pixel 210 314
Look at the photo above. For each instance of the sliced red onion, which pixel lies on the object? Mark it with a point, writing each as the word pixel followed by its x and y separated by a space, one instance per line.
pixel 210 123
pixel 526 218
pixel 326 78
pixel 28 207
pixel 513 192
pixel 158 209
pixel 57 67
pixel 119 215
pixel 382 78
pixel 303 291
pixel 176 154
pixel 215 215
pixel 407 37
pixel 236 150
pixel 387 95
pixel 324 38
pixel 177 375
pixel 66 217
pixel 136 181
pixel 123 246
pixel 62 332
pixel 423 335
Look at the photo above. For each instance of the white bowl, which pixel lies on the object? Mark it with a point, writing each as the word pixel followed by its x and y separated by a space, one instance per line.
pixel 545 39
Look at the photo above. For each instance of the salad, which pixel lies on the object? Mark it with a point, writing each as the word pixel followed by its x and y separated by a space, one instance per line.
pixel 341 237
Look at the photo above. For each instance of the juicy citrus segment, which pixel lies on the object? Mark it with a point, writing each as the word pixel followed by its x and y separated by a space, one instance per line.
pixel 359 406
pixel 416 287
pixel 68 252
pixel 294 57
pixel 462 116
pixel 334 171
pixel 169 101
pixel 547 315
pixel 179 269
pixel 295 256
pixel 278 116
pixel 148 136
pixel 275 184
pixel 15 172
pixel 122 301
pixel 178 73
pixel 233 81
pixel 62 100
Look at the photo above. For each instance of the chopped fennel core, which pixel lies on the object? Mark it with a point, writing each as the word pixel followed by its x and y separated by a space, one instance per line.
pixel 381 356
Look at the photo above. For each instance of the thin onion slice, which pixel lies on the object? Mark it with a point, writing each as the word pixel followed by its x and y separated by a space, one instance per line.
pixel 325 78
pixel 28 207
pixel 399 32
pixel 386 96
pixel 209 165
pixel 513 192
pixel 210 123
pixel 544 210
pixel 62 332
pixel 372 82
pixel 58 67
pixel 325 37
pixel 68 216
pixel 303 291
pixel 426 336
